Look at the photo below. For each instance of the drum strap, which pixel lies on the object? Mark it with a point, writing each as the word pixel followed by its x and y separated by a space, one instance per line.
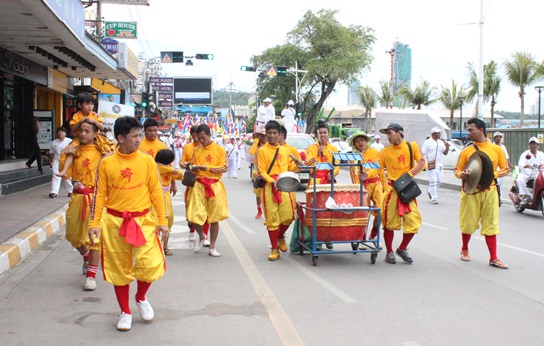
pixel 273 162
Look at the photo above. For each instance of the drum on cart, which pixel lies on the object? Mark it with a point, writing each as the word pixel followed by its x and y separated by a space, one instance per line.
pixel 333 225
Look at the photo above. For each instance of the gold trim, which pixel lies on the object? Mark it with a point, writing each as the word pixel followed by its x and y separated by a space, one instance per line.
pixel 362 221
pixel 337 188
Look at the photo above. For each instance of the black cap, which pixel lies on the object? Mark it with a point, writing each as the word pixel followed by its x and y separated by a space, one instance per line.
pixel 392 126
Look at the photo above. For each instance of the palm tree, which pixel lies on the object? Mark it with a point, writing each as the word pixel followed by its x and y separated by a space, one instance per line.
pixel 492 86
pixel 522 72
pixel 368 99
pixel 450 98
pixel 386 93
pixel 405 94
pixel 423 95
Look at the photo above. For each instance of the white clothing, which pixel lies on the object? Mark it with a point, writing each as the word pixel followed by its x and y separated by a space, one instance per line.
pixel 503 147
pixel 264 115
pixel 241 148
pixel 232 158
pixel 525 174
pixel 288 116
pixel 377 146
pixel 432 150
pixel 56 148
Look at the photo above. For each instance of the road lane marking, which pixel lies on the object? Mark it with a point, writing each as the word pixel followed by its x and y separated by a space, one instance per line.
pixel 240 224
pixel 516 248
pixel 280 320
pixel 435 226
pixel 324 283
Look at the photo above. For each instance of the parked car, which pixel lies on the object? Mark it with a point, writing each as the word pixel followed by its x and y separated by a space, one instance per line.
pixel 450 161
pixel 301 141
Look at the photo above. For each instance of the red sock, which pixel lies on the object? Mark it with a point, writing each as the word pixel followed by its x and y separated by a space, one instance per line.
pixel 191 229
pixel 388 236
pixel 282 230
pixel 142 290
pixel 491 242
pixel 86 256
pixel 406 238
pixel 374 232
pixel 206 228
pixel 466 239
pixel 121 292
pixel 91 271
pixel 273 235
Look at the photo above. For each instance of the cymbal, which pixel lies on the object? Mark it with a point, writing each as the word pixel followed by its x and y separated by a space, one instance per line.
pixel 474 164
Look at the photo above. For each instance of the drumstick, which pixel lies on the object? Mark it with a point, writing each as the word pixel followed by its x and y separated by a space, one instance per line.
pixel 294 158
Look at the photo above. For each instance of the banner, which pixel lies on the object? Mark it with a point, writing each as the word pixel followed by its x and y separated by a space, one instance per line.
pixel 109 112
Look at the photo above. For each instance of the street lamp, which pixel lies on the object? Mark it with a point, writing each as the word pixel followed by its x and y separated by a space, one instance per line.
pixel 461 98
pixel 539 89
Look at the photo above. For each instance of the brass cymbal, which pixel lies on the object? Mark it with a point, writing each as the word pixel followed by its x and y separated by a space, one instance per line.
pixel 474 164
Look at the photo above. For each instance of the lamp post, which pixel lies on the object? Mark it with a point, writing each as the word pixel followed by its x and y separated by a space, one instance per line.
pixel 539 89
pixel 461 98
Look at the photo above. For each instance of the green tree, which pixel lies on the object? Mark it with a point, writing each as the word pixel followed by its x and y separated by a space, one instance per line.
pixel 423 95
pixel 386 93
pixel 450 99
pixel 405 93
pixel 329 51
pixel 492 86
pixel 521 71
pixel 368 99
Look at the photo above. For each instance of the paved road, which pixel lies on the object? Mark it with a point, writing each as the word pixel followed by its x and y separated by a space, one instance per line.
pixel 243 299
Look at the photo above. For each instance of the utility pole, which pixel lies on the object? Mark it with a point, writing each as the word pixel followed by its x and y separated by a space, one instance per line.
pixel 392 52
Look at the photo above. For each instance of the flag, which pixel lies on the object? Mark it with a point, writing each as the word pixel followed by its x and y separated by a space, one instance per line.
pixel 243 129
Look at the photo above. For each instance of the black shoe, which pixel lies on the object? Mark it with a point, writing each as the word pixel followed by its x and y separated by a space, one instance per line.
pixel 405 256
pixel 390 258
pixel 429 194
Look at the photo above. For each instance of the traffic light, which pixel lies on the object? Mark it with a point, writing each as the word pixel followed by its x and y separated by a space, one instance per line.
pixel 204 56
pixel 177 56
pixel 145 100
pixel 281 71
pixel 248 68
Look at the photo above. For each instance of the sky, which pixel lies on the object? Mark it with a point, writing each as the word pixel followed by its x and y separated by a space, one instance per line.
pixel 444 37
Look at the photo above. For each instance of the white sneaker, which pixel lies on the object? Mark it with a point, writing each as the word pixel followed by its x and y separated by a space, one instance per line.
pixel 90 284
pixel 145 309
pixel 199 245
pixel 214 253
pixel 84 267
pixel 434 201
pixel 125 322
pixel 206 243
pixel 192 236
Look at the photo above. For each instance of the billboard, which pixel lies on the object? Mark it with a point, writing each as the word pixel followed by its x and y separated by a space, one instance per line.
pixel 193 90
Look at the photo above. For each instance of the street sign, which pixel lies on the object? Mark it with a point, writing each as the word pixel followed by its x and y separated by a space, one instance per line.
pixel 111 45
pixel 272 71
pixel 121 29
pixel 171 57
pixel 161 80
pixel 168 88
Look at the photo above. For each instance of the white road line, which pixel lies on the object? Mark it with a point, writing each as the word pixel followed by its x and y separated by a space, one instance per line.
pixel 280 320
pixel 538 254
pixel 324 283
pixel 240 224
pixel 435 226
pixel 410 343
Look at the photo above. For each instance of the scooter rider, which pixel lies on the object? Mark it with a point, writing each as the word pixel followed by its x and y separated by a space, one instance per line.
pixel 528 161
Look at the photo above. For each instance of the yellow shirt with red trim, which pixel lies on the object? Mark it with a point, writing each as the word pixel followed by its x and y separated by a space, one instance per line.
pixel 370 155
pixel 151 147
pixel 291 150
pixel 395 159
pixel 282 164
pixel 83 168
pixel 78 116
pixel 168 174
pixel 328 152
pixel 210 156
pixel 495 153
pixel 128 182
pixel 188 152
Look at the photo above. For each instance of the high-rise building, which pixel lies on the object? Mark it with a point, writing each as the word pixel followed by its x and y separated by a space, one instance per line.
pixel 353 93
pixel 402 65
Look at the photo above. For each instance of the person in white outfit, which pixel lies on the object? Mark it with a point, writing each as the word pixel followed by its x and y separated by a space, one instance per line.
pixel 528 164
pixel 240 146
pixel 265 113
pixel 377 145
pixel 288 115
pixel 432 150
pixel 54 156
pixel 232 157
pixel 497 139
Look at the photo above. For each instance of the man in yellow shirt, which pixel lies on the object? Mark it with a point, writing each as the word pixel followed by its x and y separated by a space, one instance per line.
pixel 83 172
pixel 128 186
pixel 482 206
pixel 259 140
pixel 395 160
pixel 208 198
pixel 279 207
pixel 370 176
pixel 322 151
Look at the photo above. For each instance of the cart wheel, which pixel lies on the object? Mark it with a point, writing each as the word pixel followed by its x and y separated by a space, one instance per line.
pixel 314 260
pixel 301 250
pixel 354 247
pixel 373 257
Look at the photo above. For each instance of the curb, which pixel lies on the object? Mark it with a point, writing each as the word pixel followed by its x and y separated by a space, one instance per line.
pixel 449 186
pixel 14 250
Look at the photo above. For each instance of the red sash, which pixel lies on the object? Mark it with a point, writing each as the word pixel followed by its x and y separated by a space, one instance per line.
pixel 402 208
pixel 276 194
pixel 86 192
pixel 207 182
pixel 129 228
pixel 370 181
pixel 323 176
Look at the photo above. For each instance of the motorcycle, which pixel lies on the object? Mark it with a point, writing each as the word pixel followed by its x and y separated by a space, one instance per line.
pixel 536 202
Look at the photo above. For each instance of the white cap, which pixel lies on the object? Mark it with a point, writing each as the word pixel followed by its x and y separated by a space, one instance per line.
pixel 534 139
pixel 497 134
pixel 377 137
pixel 436 129
pixel 290 103
pixel 268 99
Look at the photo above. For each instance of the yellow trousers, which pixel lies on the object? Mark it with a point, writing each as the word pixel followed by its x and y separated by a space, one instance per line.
pixel 480 208
pixel 169 209
pixel 122 263
pixel 410 222
pixel 77 230
pixel 375 194
pixel 201 209
pixel 277 214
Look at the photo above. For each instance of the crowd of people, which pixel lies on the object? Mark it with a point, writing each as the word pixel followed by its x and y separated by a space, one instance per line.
pixel 129 236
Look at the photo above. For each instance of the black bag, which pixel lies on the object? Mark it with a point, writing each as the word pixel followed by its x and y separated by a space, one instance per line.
pixel 189 178
pixel 260 181
pixel 406 187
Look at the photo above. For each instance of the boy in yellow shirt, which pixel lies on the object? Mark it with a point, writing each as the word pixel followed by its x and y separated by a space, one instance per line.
pixel 128 186
pixel 322 151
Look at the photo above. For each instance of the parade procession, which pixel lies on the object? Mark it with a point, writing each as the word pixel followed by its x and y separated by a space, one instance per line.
pixel 175 173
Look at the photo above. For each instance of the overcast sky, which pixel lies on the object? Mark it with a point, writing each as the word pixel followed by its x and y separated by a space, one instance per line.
pixel 443 35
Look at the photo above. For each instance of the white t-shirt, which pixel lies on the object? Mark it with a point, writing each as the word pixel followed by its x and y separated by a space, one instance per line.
pixel 533 160
pixel 377 146
pixel 432 150
pixel 265 114
pixel 288 115
pixel 57 146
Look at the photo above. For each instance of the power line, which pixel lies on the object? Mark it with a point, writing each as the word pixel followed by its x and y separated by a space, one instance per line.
pixel 142 28
pixel 142 47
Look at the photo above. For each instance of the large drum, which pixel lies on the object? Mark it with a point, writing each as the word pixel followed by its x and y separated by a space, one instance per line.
pixel 337 225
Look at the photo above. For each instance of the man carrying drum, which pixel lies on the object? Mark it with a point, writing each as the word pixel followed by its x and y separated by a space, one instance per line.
pixel 482 205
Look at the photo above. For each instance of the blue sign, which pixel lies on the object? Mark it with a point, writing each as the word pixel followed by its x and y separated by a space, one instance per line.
pixel 71 13
pixel 111 45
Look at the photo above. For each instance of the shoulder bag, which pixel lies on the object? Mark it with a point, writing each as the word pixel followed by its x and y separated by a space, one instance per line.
pixel 260 181
pixel 431 164
pixel 406 187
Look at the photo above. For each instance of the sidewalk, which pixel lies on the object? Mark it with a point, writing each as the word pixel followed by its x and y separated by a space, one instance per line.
pixel 30 217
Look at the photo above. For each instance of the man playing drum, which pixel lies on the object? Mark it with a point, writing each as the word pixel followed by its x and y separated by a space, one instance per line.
pixel 481 206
